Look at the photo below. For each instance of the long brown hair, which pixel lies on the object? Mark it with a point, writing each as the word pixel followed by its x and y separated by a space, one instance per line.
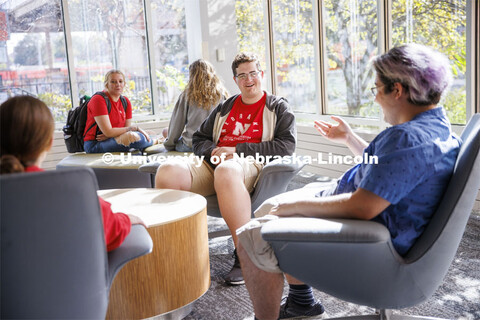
pixel 204 88
pixel 26 130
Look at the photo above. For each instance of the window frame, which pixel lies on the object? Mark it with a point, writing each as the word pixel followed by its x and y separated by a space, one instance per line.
pixel 195 47
pixel 157 113
pixel 384 9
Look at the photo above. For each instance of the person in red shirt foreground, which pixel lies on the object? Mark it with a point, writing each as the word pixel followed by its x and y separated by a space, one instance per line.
pixel 26 133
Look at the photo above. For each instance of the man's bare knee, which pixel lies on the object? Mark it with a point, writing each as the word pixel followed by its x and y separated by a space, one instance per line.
pixel 227 173
pixel 172 175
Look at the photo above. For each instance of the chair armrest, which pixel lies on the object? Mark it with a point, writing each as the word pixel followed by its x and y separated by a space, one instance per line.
pixel 138 243
pixel 150 167
pixel 156 159
pixel 274 178
pixel 287 163
pixel 325 230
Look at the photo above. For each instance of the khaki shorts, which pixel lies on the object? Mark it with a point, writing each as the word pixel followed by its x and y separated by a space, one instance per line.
pixel 203 175
pixel 260 251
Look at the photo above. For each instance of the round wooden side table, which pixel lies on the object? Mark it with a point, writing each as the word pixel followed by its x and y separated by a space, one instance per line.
pixel 177 272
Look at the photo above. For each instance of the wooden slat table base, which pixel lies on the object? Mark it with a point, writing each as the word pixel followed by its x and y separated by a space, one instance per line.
pixel 175 274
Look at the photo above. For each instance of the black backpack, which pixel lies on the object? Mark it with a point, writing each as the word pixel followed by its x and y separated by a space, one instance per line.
pixel 74 129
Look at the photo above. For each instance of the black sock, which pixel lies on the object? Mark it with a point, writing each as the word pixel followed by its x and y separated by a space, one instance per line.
pixel 301 294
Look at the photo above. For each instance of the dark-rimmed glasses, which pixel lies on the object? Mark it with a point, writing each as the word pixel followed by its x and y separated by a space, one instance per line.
pixel 244 76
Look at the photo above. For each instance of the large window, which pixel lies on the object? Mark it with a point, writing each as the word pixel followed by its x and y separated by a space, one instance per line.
pixel 293 35
pixel 100 35
pixel 250 25
pixel 333 41
pixel 351 40
pixel 111 35
pixel 33 59
pixel 316 53
pixel 170 51
pixel 443 26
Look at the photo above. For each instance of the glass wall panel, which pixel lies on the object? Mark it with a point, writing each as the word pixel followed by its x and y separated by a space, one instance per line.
pixel 443 26
pixel 294 53
pixel 170 50
pixel 110 34
pixel 250 24
pixel 351 40
pixel 32 53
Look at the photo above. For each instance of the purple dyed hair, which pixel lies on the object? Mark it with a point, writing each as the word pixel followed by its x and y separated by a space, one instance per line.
pixel 422 71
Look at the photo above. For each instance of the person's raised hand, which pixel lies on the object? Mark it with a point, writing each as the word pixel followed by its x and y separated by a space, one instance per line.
pixel 334 132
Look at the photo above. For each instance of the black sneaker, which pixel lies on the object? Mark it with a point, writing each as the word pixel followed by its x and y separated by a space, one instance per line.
pixel 235 276
pixel 292 310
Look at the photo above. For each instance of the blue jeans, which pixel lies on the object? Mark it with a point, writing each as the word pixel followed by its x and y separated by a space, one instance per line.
pixel 180 146
pixel 110 145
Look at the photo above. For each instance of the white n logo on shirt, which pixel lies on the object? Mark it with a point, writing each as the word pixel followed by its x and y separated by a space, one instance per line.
pixel 240 128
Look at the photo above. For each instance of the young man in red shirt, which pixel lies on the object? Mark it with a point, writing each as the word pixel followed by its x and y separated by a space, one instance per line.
pixel 251 123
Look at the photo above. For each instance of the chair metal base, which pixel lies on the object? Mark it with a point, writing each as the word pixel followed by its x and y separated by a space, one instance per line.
pixel 386 315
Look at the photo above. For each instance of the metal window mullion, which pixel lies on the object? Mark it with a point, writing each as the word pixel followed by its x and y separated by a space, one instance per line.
pixel 270 54
pixel 151 55
pixel 384 17
pixel 384 39
pixel 72 75
pixel 320 57
pixel 477 56
pixel 473 59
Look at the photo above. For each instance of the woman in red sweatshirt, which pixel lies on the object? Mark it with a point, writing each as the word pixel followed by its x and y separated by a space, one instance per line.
pixel 26 133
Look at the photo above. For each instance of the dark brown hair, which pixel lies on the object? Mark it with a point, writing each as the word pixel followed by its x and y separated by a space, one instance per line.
pixel 26 130
pixel 243 58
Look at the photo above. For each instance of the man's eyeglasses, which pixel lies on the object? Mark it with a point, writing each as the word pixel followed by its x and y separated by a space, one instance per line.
pixel 244 76
pixel 375 90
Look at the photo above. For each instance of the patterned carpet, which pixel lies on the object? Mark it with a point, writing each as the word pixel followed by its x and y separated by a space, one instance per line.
pixel 457 298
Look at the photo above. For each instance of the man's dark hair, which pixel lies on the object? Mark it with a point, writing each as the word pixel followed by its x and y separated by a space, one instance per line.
pixel 242 58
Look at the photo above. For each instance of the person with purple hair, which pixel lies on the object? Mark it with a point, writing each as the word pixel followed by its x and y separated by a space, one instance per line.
pixel 416 156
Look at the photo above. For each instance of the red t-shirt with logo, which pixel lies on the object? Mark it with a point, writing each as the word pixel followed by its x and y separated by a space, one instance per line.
pixel 244 123
pixel 98 107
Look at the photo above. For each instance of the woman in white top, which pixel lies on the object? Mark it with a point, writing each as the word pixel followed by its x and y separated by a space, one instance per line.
pixel 203 93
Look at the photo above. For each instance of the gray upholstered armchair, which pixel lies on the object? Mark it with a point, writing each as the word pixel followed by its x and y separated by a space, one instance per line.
pixel 273 180
pixel 53 258
pixel 355 261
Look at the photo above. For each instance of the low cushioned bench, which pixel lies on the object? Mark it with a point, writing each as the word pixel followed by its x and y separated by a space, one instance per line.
pixel 117 170
pixel 113 170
